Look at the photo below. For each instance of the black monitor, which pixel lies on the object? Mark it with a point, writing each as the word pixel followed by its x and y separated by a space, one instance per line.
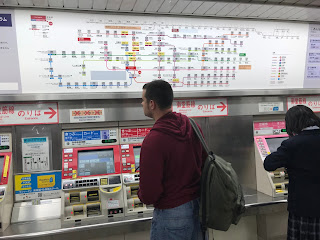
pixel 95 162
pixel 274 143
pixel 136 152
pixel 1 165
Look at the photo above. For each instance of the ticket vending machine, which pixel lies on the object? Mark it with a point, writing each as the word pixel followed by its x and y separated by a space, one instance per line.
pixel 131 140
pixel 6 181
pixel 268 136
pixel 91 176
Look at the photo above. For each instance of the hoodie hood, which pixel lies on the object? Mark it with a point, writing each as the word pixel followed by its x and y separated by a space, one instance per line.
pixel 175 125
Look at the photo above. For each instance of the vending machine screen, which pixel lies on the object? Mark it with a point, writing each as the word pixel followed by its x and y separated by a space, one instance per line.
pixel 95 162
pixel 274 143
pixel 136 152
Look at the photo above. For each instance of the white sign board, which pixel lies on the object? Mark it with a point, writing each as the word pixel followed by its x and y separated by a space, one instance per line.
pixel 209 107
pixel 28 113
pixel 35 154
pixel 271 107
pixel 87 115
pixel 312 102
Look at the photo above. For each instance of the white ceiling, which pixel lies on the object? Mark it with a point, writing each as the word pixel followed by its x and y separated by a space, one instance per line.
pixel 299 10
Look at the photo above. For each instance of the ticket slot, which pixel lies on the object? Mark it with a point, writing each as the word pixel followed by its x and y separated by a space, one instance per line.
pixel 93 196
pixel 78 210
pixel 75 197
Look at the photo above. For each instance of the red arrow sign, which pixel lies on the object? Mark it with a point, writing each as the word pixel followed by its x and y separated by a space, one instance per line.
pixel 52 112
pixel 223 106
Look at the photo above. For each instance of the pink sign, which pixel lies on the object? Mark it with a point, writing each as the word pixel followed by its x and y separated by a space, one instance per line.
pixel 269 125
pixel 28 113
pixel 312 102
pixel 209 107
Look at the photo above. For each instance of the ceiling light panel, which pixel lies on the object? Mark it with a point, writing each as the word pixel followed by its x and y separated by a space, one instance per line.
pixel 154 5
pixel 71 3
pixel 216 8
pixel 25 3
pixel 114 4
pixel 41 3
pixel 204 8
pixel 56 3
pixel 141 5
pixel 249 10
pixel 192 7
pixel 240 8
pixel 262 9
pixel 85 4
pixel 127 5
pixel 180 6
pixel 227 9
pixel 167 6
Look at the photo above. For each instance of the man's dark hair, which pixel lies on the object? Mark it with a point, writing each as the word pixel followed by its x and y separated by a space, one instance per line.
pixel 161 92
pixel 299 117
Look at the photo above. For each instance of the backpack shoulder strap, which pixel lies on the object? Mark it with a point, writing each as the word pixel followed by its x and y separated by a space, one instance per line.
pixel 197 131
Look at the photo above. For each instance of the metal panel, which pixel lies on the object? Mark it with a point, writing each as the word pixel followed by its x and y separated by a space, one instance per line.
pixel 25 3
pixel 291 12
pixel 41 3
pixel 304 2
pixel 141 5
pixel 216 8
pixel 239 9
pixel 180 6
pixel 11 3
pixel 311 14
pixel 154 5
pixel 315 3
pixel 71 3
pixel 204 8
pixel 192 7
pixel 271 11
pixel 281 12
pixel 299 14
pixel 167 6
pixel 56 3
pixel 260 11
pixel 223 132
pixel 249 10
pixel 127 5
pixel 113 5
pixel 85 4
pixel 227 9
pixel 99 4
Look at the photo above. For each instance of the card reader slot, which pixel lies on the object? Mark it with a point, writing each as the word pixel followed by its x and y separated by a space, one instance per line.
pixel 93 209
pixel 93 196
pixel 74 197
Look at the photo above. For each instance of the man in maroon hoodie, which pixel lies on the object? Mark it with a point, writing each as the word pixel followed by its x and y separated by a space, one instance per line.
pixel 170 167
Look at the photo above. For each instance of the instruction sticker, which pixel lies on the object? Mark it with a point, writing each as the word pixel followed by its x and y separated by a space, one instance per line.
pixel 35 154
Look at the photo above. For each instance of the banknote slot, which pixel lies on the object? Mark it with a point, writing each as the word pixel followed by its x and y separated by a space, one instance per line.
pixel 138 205
pixel 134 190
pixel 75 197
pixel 93 196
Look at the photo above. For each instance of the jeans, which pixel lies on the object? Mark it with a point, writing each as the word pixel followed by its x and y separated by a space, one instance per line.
pixel 179 223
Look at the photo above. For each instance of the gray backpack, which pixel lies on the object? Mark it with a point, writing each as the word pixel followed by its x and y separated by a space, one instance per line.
pixel 221 201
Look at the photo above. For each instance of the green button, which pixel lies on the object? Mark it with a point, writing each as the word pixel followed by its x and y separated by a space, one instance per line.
pixel 242 54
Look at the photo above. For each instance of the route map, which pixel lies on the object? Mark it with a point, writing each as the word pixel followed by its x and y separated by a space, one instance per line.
pixel 77 52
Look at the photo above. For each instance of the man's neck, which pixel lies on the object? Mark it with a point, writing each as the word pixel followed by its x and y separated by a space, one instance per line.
pixel 161 113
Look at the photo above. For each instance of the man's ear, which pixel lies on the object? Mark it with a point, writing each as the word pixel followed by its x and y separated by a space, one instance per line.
pixel 152 104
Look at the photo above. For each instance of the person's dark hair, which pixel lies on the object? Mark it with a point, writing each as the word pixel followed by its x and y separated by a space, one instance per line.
pixel 299 117
pixel 161 92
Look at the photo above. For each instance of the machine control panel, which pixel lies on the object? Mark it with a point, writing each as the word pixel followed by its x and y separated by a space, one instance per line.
pixel 130 157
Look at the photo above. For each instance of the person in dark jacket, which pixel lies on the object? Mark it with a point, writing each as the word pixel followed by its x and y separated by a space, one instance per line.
pixel 170 167
pixel 300 155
